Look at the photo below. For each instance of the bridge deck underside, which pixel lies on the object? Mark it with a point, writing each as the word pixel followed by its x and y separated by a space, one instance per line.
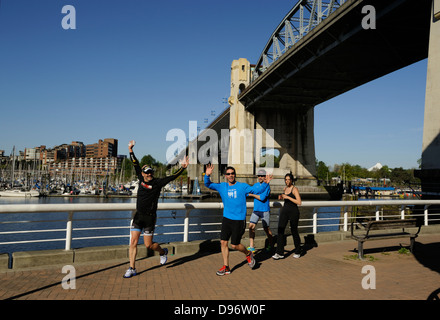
pixel 339 55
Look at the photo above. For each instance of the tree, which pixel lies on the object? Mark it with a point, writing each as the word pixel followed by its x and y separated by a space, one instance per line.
pixel 382 173
pixel 149 161
pixel 159 167
pixel 401 176
pixel 127 167
pixel 398 176
pixel 322 170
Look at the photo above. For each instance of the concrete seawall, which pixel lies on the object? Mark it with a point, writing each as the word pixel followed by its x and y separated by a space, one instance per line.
pixel 38 259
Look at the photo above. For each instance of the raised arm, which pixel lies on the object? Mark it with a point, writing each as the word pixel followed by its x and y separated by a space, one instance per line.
pixel 133 158
pixel 262 189
pixel 207 179
pixel 262 196
pixel 183 166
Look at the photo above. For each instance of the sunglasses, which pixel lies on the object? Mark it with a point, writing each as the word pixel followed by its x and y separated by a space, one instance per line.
pixel 260 176
pixel 230 173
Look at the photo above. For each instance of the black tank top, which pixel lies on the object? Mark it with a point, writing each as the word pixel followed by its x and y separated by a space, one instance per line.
pixel 289 205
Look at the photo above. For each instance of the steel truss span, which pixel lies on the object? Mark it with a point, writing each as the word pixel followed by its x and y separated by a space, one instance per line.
pixel 299 21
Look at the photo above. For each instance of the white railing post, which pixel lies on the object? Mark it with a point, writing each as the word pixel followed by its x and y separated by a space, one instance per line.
pixel 345 219
pixel 186 226
pixel 402 212
pixel 425 214
pixel 377 213
pixel 69 231
pixel 315 220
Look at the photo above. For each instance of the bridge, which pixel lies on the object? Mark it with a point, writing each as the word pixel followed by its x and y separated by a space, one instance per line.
pixel 320 50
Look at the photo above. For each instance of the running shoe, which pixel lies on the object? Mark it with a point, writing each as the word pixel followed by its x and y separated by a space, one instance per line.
pixel 130 273
pixel 164 258
pixel 250 260
pixel 296 255
pixel 277 256
pixel 224 270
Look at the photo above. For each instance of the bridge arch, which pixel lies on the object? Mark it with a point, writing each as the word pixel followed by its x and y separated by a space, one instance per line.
pixel 299 21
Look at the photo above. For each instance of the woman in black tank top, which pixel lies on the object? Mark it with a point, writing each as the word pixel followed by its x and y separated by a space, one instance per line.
pixel 289 211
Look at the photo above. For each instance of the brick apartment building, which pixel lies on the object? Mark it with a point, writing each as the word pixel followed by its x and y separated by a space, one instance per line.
pixel 76 158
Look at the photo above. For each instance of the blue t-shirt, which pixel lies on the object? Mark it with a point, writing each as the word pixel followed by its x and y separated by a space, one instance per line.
pixel 234 197
pixel 263 204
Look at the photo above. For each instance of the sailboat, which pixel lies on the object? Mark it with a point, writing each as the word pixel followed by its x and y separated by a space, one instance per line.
pixel 17 192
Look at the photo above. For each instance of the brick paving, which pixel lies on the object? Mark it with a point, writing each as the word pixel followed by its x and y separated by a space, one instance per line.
pixel 327 271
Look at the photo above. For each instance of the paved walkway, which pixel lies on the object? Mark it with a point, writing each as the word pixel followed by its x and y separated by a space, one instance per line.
pixel 326 271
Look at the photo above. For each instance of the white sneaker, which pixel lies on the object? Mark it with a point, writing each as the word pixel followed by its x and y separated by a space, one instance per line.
pixel 277 256
pixel 164 258
pixel 130 273
pixel 296 255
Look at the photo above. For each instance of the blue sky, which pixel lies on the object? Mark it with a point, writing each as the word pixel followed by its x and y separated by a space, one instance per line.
pixel 135 69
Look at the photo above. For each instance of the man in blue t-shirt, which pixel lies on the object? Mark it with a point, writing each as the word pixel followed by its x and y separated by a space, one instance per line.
pixel 261 210
pixel 233 195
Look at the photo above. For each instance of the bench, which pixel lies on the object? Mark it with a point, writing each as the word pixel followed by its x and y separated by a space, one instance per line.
pixel 392 225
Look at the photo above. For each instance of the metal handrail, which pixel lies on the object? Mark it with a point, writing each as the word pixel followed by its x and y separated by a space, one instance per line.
pixel 188 207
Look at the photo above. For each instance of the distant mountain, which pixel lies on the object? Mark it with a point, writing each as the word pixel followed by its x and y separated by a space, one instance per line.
pixel 377 166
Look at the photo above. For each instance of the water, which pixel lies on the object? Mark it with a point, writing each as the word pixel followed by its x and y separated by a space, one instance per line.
pixel 55 221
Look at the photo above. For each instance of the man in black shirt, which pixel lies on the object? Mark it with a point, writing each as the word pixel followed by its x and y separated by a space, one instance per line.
pixel 146 206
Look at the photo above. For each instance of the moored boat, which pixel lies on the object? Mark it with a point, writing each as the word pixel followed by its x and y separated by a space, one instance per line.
pixel 19 193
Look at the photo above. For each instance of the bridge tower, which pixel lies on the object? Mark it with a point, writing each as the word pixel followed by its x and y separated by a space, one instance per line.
pixel 241 124
pixel 430 171
pixel 274 137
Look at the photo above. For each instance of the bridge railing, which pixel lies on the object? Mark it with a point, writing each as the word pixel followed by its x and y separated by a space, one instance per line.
pixel 346 212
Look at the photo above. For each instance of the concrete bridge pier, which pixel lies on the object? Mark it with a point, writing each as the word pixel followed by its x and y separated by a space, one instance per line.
pixel 293 143
pixel 430 171
pixel 241 125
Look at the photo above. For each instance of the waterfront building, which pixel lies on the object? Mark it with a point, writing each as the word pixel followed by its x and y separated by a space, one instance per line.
pixel 76 158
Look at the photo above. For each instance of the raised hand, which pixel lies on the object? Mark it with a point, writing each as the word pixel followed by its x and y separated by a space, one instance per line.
pixel 184 163
pixel 268 178
pixel 209 168
pixel 131 144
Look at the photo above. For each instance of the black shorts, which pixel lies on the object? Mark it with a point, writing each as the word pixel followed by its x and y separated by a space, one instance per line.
pixel 144 222
pixel 233 229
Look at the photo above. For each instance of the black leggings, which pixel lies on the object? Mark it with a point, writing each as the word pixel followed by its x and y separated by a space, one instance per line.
pixel 285 216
